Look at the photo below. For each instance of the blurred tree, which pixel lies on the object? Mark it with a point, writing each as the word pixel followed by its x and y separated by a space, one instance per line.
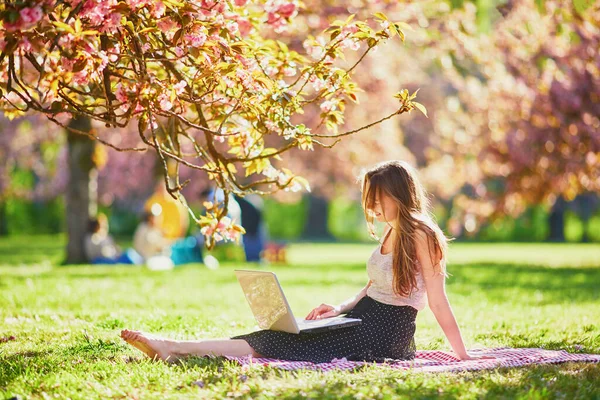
pixel 515 120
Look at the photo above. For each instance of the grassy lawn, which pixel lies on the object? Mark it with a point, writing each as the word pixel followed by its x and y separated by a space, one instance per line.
pixel 65 322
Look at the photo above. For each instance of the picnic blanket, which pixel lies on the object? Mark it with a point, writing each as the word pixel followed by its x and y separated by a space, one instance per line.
pixel 437 361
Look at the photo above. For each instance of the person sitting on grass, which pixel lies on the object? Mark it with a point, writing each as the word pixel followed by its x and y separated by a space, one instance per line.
pixel 406 272
pixel 150 243
pixel 100 247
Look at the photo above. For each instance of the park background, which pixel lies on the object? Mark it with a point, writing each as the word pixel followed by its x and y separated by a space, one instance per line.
pixel 509 153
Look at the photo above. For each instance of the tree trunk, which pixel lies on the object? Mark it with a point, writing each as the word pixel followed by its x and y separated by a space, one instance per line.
pixel 556 221
pixel 586 205
pixel 316 219
pixel 3 221
pixel 81 192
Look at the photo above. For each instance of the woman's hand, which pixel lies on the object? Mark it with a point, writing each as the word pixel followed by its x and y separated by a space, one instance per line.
pixel 324 311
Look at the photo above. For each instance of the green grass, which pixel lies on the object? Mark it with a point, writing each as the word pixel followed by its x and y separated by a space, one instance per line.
pixel 65 321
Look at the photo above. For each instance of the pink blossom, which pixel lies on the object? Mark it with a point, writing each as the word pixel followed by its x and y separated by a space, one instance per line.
pixel 287 10
pixel 153 123
pixel 67 64
pixel 317 83
pixel 249 63
pixel 26 45
pixel 111 23
pixel 167 24
pixel 121 94
pixel 103 61
pixel 240 3
pixel 349 29
pixel 328 105
pixel 94 12
pixel 289 71
pixel 135 4
pixel 350 43
pixel 245 77
pixel 81 78
pixel 113 56
pixel 31 16
pixel 315 50
pixel 207 230
pixel 272 126
pixel 66 41
pixel 159 9
pixel 232 27
pixel 196 39
pixel 386 26
pixel 272 18
pixel 179 87
pixel 224 223
pixel 13 97
pixel 244 26
pixel 228 82
pixel 179 52
pixel 165 102
pixel 214 5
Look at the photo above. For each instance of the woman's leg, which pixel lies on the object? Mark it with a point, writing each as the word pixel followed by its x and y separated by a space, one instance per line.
pixel 171 350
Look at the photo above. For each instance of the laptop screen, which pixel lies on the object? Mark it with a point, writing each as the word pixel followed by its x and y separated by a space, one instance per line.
pixel 264 296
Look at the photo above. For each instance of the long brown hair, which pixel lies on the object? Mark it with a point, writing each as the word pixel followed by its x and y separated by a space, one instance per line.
pixel 398 180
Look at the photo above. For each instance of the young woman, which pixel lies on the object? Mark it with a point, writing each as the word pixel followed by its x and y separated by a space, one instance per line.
pixel 406 272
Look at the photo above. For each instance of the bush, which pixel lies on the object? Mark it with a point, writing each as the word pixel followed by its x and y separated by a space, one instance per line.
pixel 285 220
pixel 531 226
pixel 28 217
pixel 346 220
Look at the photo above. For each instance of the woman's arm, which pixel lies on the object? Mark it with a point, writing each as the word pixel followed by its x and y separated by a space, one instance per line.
pixel 436 294
pixel 351 302
pixel 327 311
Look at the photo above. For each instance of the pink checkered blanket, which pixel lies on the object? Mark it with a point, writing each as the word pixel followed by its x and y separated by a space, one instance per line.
pixel 437 361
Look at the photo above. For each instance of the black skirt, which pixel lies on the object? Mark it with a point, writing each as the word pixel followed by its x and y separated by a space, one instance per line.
pixel 386 333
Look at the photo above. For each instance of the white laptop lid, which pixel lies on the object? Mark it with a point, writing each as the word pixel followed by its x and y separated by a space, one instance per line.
pixel 266 300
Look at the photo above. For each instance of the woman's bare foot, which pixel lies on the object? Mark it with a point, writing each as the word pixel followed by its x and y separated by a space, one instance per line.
pixel 155 348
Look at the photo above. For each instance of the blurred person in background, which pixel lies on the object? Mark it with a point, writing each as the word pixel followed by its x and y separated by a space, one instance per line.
pixel 150 243
pixel 100 247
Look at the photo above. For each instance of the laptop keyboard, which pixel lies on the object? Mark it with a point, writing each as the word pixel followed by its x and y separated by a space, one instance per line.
pixel 313 322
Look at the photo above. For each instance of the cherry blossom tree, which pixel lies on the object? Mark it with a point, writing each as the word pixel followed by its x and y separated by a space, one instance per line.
pixel 207 83
pixel 521 123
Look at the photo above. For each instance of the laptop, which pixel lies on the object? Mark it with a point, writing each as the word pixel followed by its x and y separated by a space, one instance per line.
pixel 271 308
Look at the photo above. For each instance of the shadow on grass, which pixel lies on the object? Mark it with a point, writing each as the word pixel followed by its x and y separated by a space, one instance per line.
pixel 554 285
pixel 54 359
pixel 568 380
pixel 21 363
pixel 499 281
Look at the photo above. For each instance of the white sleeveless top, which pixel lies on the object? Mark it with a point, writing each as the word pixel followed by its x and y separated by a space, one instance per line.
pixel 380 272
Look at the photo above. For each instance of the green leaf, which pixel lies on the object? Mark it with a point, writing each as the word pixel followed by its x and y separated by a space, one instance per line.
pixel 334 34
pixel 303 182
pixel 381 16
pixel 13 16
pixel 149 29
pixel 420 107
pixel 349 19
pixel 412 96
pixel 582 5
pixel 283 47
pixel 404 26
pixel 63 26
